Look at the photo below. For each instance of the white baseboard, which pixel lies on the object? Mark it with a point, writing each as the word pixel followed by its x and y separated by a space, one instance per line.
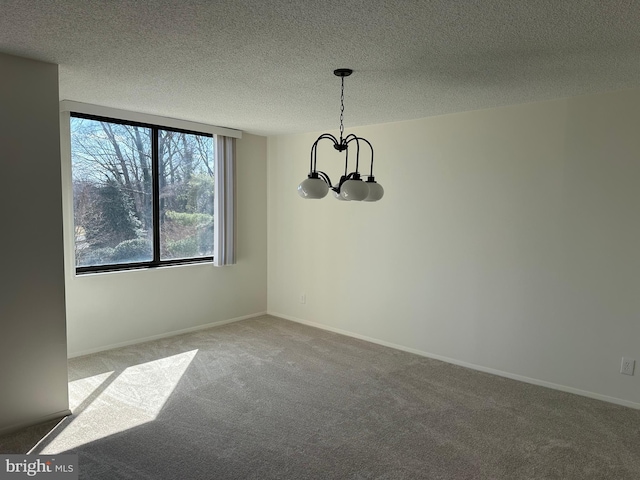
pixel 19 426
pixel 501 373
pixel 162 335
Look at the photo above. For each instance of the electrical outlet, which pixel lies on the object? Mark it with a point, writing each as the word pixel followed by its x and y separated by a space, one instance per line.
pixel 303 298
pixel 627 366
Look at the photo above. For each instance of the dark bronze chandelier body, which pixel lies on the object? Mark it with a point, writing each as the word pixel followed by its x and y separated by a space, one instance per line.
pixel 350 186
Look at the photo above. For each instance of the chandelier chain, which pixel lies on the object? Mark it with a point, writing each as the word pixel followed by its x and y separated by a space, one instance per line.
pixel 342 109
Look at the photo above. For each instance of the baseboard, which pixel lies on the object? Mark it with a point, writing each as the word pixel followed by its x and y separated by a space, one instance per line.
pixel 30 423
pixel 162 335
pixel 501 373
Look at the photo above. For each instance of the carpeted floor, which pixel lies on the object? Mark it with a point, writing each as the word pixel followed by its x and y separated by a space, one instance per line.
pixel 267 398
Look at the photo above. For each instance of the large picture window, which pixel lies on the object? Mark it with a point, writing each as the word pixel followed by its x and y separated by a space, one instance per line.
pixel 143 195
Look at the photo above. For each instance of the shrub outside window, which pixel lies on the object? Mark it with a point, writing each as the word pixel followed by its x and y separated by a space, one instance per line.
pixel 142 194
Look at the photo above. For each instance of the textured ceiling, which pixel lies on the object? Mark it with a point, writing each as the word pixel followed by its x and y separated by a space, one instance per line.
pixel 265 66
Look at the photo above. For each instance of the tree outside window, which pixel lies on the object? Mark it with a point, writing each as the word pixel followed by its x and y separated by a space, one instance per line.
pixel 143 195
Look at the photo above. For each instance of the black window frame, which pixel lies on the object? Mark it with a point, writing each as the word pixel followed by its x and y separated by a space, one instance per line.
pixel 156 261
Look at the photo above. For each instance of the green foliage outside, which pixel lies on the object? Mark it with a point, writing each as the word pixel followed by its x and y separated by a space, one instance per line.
pixel 184 219
pixel 188 234
pixel 186 247
pixel 196 194
pixel 98 256
pixel 134 250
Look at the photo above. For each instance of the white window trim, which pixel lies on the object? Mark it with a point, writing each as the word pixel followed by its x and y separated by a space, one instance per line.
pixel 99 110
pixel 68 106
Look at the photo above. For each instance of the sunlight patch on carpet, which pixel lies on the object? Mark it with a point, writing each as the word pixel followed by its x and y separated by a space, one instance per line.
pixel 81 390
pixel 112 402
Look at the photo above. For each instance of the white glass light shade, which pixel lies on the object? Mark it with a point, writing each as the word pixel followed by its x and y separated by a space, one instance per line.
pixel 375 192
pixel 339 197
pixel 354 190
pixel 313 188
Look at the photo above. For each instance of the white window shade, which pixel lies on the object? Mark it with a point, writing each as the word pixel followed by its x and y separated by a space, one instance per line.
pixel 224 249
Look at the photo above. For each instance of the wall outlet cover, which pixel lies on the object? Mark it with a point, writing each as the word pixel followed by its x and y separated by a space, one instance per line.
pixel 628 365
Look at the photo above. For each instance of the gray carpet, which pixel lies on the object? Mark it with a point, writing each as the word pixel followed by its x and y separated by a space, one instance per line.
pixel 267 398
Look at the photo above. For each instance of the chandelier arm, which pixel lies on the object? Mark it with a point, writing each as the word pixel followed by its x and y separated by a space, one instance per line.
pixel 353 137
pixel 312 166
pixel 346 161
pixel 314 149
pixel 325 177
pixel 343 179
pixel 329 136
pixel 371 147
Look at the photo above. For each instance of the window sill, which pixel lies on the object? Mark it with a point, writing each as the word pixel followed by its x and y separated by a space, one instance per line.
pixel 128 267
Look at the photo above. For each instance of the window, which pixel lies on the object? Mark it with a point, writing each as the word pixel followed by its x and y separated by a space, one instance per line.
pixel 143 195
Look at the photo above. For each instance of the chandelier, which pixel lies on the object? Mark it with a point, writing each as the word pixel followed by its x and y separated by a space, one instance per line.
pixel 350 186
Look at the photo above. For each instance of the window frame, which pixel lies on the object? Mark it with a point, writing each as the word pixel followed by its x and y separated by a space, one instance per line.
pixel 156 261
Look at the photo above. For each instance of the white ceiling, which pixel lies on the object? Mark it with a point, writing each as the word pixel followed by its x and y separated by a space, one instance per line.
pixel 265 66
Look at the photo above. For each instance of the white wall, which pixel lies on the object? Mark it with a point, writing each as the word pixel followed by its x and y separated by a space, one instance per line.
pixel 508 240
pixel 33 363
pixel 110 309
